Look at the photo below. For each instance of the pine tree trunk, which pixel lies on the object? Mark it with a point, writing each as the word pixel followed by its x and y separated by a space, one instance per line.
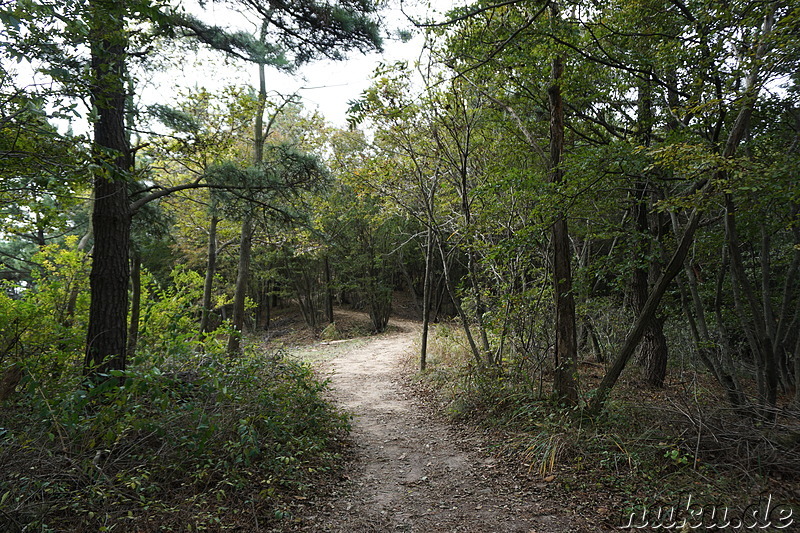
pixel 111 221
pixel 246 238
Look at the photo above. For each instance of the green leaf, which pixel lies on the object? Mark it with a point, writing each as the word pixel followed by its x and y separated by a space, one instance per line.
pixel 9 20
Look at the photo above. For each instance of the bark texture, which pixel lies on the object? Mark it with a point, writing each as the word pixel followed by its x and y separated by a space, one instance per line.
pixel 111 220
pixel 565 381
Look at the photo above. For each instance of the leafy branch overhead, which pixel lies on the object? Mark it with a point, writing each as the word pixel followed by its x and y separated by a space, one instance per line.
pixel 285 173
pixel 296 32
pixel 239 44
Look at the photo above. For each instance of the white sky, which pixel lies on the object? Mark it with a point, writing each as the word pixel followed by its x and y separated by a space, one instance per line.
pixel 324 85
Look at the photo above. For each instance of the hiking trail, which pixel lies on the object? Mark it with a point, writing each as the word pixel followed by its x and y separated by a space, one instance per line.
pixel 413 472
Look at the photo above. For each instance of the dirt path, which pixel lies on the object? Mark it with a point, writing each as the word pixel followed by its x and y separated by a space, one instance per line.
pixel 412 473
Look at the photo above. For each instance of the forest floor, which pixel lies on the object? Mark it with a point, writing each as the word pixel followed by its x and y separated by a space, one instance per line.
pixel 411 470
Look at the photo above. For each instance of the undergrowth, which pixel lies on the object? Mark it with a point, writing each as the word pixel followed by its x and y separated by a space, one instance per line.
pixel 677 444
pixel 219 446
pixel 186 439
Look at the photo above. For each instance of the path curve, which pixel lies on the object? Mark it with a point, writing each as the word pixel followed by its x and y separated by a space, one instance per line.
pixel 411 472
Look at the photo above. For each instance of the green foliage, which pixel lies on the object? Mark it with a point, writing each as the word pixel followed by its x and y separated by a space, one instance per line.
pixel 169 448
pixel 191 438
pixel 43 325
pixel 42 179
pixel 170 314
pixel 653 100
pixel 292 35
pixel 636 454
pixel 364 236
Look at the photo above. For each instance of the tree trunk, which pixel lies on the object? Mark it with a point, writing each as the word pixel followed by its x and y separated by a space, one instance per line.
pixel 136 303
pixel 647 313
pixel 242 279
pixel 653 350
pixel 457 304
pixel 246 239
pixel 723 361
pixel 565 380
pixel 426 301
pixel 755 327
pixel 717 360
pixel 211 268
pixel 795 403
pixel 74 290
pixel 737 133
pixel 270 302
pixel 480 308
pixel 328 291
pixel 409 283
pixel 111 221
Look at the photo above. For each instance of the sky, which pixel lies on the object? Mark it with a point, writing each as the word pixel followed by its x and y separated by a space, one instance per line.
pixel 326 86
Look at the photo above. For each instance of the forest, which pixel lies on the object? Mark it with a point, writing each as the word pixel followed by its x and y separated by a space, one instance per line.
pixel 592 209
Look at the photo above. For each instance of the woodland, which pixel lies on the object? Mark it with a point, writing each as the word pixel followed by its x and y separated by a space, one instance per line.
pixel 593 208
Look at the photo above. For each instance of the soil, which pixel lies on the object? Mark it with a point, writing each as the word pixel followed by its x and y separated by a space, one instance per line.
pixel 413 471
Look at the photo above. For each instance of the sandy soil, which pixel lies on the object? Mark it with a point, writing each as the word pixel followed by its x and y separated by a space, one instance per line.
pixel 414 473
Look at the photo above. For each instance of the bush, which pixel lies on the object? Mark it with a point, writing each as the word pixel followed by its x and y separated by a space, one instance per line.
pixel 43 325
pixel 638 453
pixel 185 439
pixel 220 444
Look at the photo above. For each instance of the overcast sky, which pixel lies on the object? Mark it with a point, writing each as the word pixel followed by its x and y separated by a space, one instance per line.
pixel 324 85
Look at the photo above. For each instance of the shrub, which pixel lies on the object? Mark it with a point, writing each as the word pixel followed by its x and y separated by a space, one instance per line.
pixel 191 440
pixel 43 324
pixel 224 441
